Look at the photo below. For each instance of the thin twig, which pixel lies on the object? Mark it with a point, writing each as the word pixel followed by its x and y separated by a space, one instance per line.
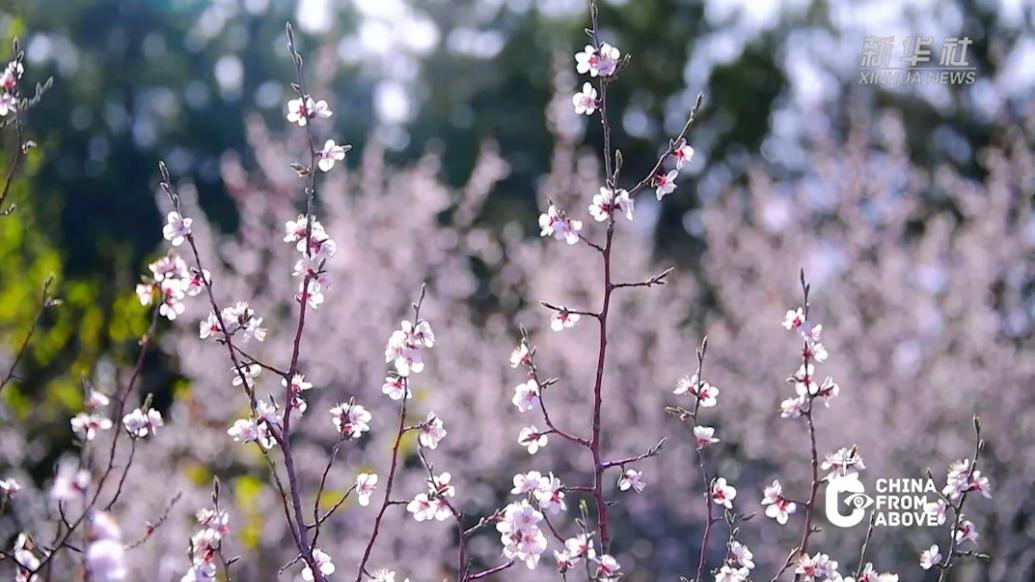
pixel 45 302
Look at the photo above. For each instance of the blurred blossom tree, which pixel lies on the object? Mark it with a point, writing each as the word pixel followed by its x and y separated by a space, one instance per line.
pixel 879 185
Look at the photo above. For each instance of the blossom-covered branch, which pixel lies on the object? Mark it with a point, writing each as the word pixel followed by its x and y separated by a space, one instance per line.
pixel 963 478
pixel 14 106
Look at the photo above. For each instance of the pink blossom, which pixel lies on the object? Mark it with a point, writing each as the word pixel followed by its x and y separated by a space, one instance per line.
pixel 815 567
pixel 779 508
pixel 323 563
pixel 665 184
pixel 532 439
pixel 607 568
pixel 683 154
pixel 176 229
pixel 608 202
pixel 703 391
pixel 246 430
pixel 704 435
pixel 723 494
pixel 8 487
pixel 631 479
pixel 525 483
pixel 350 419
pixel 395 387
pixel 563 320
pixel 602 62
pixel 139 424
pixel 729 573
pixel 330 153
pixel 550 495
pixel 520 356
pixel 526 396
pixel 431 431
pixel 967 532
pixel 585 101
pixel 844 462
pixel 930 557
pixel 86 425
pixel 556 224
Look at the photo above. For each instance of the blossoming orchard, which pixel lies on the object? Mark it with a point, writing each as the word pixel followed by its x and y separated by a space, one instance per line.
pixel 596 429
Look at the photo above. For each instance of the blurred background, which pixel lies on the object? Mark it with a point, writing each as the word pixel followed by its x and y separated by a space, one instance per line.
pixel 909 206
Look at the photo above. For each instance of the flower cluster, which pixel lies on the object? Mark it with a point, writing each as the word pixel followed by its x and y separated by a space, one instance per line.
pixel 238 320
pixel 247 430
pixel 170 282
pixel 580 548
pixel 705 395
pixel 602 62
pixel 556 223
pixel 70 483
pixel 206 544
pixel 608 202
pixel 9 87
pixel 738 565
pixel 25 558
pixel 546 491
pixel 962 479
pixel 844 462
pixel 315 247
pixel 520 534
pixel 301 110
pixel 818 567
pixel 351 420
pixel 404 349
pixel 87 424
pixel 804 380
pixel 323 563
pixel 434 503
pixel 139 423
